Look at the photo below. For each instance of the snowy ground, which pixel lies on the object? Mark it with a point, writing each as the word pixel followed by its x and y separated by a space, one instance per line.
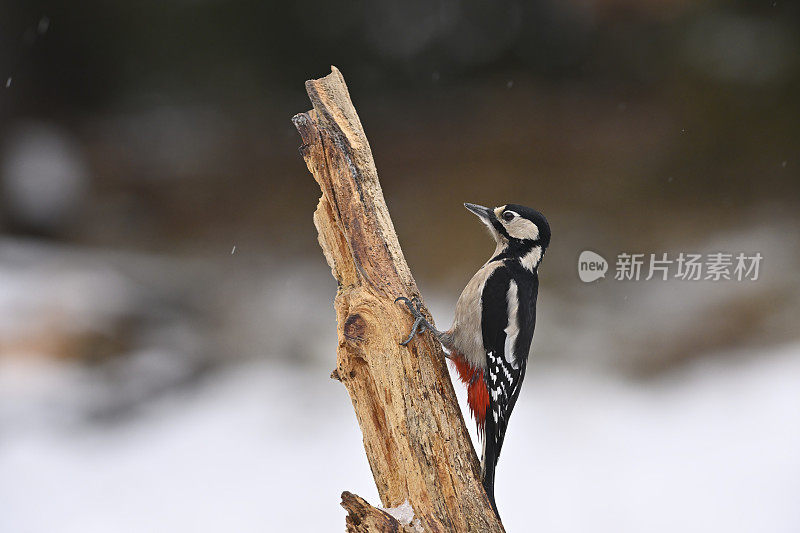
pixel 205 407
pixel 712 447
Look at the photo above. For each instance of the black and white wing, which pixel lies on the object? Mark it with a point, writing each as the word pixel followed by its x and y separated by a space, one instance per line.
pixel 507 324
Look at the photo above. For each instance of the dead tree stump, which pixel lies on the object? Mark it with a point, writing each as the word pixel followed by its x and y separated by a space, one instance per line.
pixel 414 435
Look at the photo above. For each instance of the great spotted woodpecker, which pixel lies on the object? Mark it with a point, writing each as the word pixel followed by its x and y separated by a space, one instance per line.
pixel 494 322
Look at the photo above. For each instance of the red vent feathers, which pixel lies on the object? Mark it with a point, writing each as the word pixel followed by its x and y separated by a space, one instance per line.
pixel 477 395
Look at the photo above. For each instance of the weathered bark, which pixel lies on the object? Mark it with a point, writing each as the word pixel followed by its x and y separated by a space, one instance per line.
pixel 414 434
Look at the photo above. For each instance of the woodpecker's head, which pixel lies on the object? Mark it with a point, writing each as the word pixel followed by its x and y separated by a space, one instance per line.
pixel 516 228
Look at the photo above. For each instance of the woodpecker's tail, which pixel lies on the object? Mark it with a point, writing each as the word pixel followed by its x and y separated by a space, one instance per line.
pixel 489 461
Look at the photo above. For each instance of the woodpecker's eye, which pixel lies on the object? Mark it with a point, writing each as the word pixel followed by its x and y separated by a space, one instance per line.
pixel 508 216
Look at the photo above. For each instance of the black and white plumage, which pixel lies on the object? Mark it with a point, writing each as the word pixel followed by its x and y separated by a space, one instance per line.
pixel 494 323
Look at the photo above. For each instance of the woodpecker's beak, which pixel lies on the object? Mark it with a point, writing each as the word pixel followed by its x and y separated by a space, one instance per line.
pixel 483 212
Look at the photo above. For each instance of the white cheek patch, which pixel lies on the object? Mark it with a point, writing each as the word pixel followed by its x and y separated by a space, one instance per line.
pixel 522 228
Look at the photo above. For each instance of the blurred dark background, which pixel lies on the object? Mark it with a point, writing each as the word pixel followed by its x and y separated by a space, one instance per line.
pixel 157 249
pixel 178 111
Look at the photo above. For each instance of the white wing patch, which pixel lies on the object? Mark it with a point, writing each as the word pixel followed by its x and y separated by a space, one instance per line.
pixel 512 329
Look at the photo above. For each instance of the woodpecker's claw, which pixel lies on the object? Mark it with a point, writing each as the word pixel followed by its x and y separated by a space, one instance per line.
pixel 414 305
pixel 418 327
pixel 420 322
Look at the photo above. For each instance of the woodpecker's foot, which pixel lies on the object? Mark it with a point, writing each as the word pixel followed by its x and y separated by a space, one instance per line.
pixel 420 322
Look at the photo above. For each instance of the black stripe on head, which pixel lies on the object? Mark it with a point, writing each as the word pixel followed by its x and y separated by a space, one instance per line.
pixel 499 227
